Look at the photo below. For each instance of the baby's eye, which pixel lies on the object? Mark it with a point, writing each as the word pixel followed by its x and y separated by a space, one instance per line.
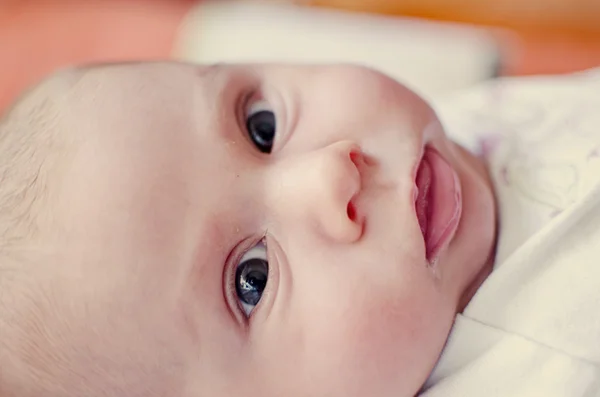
pixel 251 277
pixel 261 126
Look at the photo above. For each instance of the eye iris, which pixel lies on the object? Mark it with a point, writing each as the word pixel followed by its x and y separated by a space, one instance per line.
pixel 261 126
pixel 251 280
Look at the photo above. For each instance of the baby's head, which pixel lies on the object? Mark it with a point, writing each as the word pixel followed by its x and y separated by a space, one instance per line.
pixel 175 230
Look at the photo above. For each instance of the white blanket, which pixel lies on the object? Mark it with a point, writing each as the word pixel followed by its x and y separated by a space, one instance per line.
pixel 533 328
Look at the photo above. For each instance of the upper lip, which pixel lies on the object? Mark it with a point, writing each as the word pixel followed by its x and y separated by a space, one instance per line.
pixel 416 167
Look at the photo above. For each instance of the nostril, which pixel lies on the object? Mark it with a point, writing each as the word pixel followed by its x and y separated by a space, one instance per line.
pixel 360 159
pixel 351 211
pixel 356 157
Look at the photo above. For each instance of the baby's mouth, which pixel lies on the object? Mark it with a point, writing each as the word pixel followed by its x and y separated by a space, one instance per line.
pixel 438 202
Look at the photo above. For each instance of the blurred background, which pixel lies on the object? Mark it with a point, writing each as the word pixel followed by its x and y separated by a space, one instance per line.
pixel 435 46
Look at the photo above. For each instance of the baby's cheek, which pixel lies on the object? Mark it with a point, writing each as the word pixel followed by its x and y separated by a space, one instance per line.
pixel 378 348
pixel 379 344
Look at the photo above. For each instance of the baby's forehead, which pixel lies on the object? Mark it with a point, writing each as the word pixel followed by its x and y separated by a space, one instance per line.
pixel 54 97
pixel 67 82
pixel 142 81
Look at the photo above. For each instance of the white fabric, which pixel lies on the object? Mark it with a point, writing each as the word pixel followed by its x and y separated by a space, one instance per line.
pixel 533 328
pixel 410 50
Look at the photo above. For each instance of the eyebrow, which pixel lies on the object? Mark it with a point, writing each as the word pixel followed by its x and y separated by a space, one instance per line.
pixel 212 71
pixel 225 86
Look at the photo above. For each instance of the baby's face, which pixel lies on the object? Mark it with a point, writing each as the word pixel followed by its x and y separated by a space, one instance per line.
pixel 188 253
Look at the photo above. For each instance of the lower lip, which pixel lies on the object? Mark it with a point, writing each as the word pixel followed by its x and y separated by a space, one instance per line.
pixel 438 202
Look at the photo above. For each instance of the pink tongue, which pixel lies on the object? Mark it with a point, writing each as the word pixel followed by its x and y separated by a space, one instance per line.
pixel 436 205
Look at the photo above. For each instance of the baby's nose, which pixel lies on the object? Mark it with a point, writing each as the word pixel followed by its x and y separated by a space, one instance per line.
pixel 324 190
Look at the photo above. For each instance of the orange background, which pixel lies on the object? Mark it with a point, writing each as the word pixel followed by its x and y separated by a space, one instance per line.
pixel 37 36
pixel 552 36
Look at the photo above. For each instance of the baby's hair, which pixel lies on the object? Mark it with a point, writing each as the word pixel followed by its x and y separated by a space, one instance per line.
pixel 36 144
pixel 28 141
pixel 31 146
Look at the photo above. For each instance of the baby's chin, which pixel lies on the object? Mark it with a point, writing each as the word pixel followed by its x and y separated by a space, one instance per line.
pixel 477 235
pixel 475 163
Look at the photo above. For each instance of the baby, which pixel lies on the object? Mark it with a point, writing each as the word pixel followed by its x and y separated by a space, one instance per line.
pixel 180 230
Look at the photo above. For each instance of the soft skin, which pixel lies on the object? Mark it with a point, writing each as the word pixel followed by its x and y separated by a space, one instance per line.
pixel 130 289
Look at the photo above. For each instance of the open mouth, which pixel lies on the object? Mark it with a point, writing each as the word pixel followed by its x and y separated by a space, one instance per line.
pixel 438 202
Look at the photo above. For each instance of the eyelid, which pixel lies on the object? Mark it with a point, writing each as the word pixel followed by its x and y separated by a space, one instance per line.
pixel 229 289
pixel 229 274
pixel 264 95
pixel 273 288
pixel 258 106
pixel 281 105
pixel 249 95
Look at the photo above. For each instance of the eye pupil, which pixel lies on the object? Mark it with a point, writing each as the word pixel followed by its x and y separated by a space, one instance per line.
pixel 261 126
pixel 251 280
